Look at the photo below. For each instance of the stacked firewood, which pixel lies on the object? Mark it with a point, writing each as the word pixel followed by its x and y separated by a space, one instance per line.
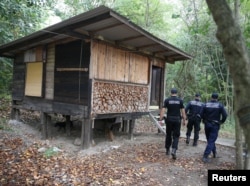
pixel 117 98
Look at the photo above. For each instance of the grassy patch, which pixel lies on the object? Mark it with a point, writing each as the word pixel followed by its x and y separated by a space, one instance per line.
pixel 227 131
pixel 50 152
pixel 4 125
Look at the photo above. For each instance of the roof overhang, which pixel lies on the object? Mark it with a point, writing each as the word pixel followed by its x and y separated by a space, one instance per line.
pixel 100 23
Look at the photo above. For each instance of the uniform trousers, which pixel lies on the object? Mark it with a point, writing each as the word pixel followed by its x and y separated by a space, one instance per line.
pixel 172 133
pixel 194 122
pixel 211 131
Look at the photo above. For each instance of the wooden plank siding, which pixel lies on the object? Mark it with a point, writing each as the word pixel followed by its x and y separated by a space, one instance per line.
pixel 109 63
pixel 50 68
pixel 120 80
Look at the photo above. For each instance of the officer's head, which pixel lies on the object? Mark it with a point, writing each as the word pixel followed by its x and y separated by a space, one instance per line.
pixel 197 96
pixel 174 91
pixel 214 95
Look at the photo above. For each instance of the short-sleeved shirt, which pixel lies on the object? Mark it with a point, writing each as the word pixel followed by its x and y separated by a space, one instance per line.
pixel 173 105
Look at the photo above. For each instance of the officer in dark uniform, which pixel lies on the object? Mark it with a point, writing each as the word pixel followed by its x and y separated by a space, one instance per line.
pixel 175 111
pixel 213 115
pixel 193 111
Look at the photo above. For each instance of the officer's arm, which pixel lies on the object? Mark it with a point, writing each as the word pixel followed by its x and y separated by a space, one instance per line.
pixel 224 115
pixel 162 113
pixel 183 114
pixel 187 107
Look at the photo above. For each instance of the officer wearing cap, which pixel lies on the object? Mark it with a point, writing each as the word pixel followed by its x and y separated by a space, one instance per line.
pixel 175 110
pixel 193 111
pixel 213 115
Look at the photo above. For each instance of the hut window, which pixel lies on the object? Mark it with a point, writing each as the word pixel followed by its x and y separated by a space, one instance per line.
pixel 33 82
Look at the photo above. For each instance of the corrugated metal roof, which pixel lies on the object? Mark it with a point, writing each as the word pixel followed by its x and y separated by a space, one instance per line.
pixel 102 23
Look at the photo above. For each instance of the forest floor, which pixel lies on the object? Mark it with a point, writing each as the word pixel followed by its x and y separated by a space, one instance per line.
pixel 25 159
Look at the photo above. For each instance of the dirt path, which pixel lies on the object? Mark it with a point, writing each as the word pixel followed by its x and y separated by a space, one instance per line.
pixel 141 161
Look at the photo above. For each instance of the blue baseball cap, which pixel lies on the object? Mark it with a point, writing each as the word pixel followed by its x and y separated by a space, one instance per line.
pixel 197 95
pixel 215 95
pixel 174 91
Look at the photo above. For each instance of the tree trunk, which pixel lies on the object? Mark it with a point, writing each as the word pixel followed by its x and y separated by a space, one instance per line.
pixel 236 55
pixel 238 145
pixel 238 130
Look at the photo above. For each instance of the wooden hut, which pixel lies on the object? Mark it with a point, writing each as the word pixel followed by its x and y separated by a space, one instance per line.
pixel 95 65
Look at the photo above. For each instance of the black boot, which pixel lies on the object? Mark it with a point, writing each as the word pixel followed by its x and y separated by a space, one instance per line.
pixel 205 159
pixel 188 140
pixel 214 155
pixel 173 153
pixel 195 143
pixel 167 151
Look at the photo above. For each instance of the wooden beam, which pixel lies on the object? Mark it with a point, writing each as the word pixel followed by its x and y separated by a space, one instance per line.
pixel 72 69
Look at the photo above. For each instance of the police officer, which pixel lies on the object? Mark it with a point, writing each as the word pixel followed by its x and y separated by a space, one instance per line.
pixel 193 111
pixel 175 109
pixel 213 115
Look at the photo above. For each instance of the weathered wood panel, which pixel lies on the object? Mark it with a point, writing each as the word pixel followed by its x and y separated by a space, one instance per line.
pixel 109 63
pixel 71 85
pixel 110 97
pixel 18 82
pixel 101 61
pixel 34 55
pixel 158 63
pixel 50 68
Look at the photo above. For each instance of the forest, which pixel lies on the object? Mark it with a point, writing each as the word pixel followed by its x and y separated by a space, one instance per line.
pixel 187 24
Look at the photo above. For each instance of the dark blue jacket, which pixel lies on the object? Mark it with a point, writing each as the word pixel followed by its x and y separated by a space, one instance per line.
pixel 194 108
pixel 214 111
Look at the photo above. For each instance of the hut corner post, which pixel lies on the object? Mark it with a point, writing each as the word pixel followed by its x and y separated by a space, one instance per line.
pixel 15 114
pixel 68 125
pixel 46 125
pixel 86 133
pixel 131 128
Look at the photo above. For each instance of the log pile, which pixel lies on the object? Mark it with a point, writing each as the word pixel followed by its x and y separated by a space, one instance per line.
pixel 119 98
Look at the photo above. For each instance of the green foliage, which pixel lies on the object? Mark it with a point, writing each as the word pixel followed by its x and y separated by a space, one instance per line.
pixel 5 76
pixel 50 152
pixel 4 125
pixel 70 8
pixel 21 17
pixel 149 14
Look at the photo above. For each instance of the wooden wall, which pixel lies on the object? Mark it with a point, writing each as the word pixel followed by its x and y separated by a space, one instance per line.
pixel 18 81
pixel 50 68
pixel 109 63
pixel 120 80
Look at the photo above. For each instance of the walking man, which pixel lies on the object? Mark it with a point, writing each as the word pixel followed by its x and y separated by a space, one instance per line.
pixel 213 115
pixel 175 111
pixel 193 111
